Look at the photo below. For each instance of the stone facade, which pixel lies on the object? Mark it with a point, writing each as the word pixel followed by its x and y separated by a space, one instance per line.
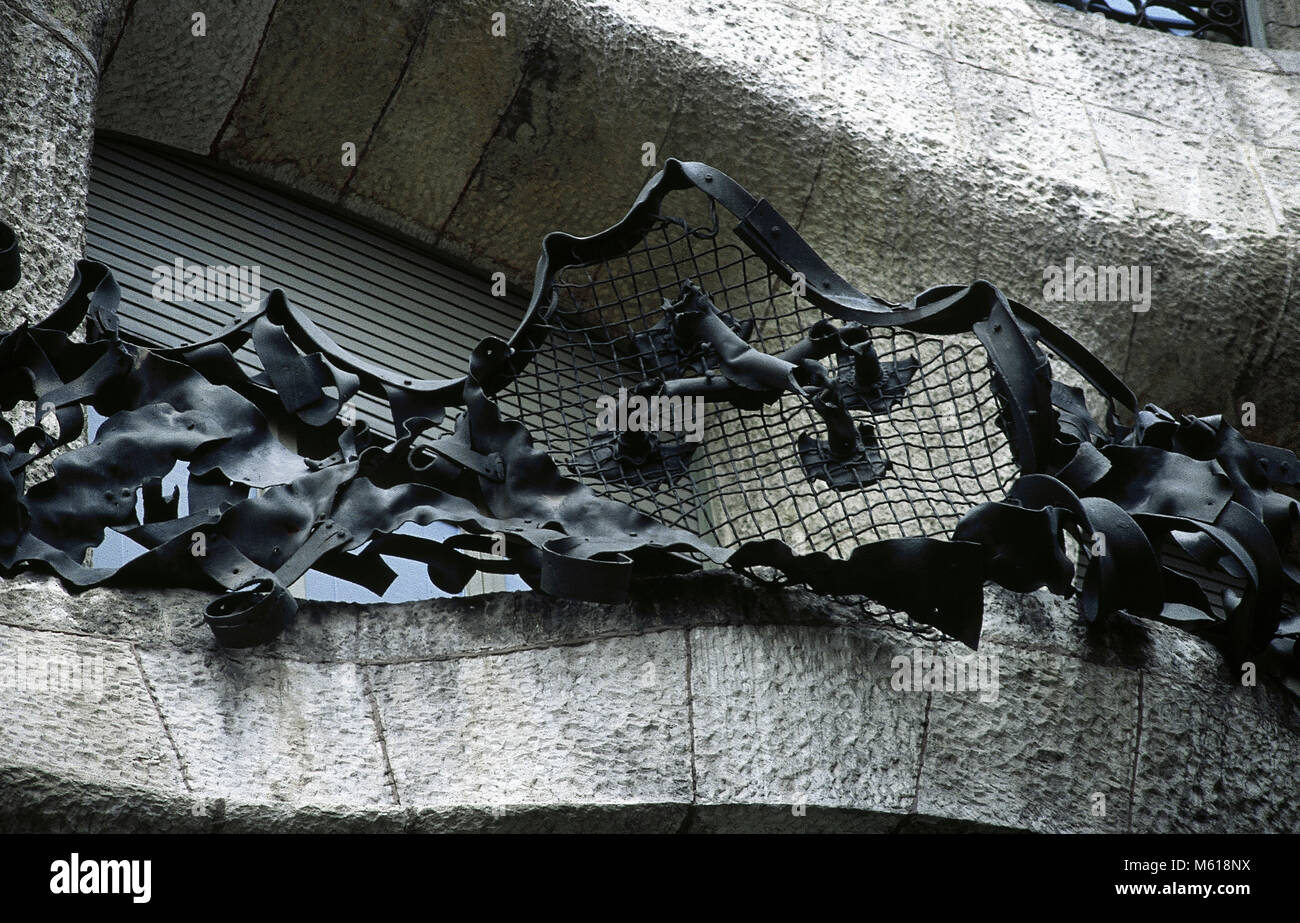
pixel 48 84
pixel 912 145
pixel 704 703
pixel 1281 23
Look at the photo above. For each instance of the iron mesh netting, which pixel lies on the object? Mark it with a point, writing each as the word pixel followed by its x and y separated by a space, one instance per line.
pixel 745 481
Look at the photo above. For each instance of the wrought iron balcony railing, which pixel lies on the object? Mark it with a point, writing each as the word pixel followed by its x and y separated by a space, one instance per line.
pixel 1236 22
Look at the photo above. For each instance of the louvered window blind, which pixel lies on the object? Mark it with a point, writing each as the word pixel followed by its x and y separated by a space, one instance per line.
pixel 386 299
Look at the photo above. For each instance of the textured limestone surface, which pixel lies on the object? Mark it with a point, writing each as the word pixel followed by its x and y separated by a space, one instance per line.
pixel 913 145
pixel 598 723
pixel 81 20
pixel 802 716
pixel 1281 23
pixel 1193 772
pixel 47 91
pixel 174 79
pixel 704 703
pixel 1060 733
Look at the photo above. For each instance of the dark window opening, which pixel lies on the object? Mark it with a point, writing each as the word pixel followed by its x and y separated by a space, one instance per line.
pixel 161 221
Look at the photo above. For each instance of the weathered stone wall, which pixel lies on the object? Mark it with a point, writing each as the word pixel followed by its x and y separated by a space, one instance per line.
pixel 1281 23
pixel 705 703
pixel 49 76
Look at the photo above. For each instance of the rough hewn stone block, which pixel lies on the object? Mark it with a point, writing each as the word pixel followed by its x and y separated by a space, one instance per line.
pixel 1060 733
pixel 802 718
pixel 1212 759
pixel 598 723
pixel 169 85
pixel 270 730
pixel 77 705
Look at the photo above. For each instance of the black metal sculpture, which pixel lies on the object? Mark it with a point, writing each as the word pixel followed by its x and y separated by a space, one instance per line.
pixel 905 453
